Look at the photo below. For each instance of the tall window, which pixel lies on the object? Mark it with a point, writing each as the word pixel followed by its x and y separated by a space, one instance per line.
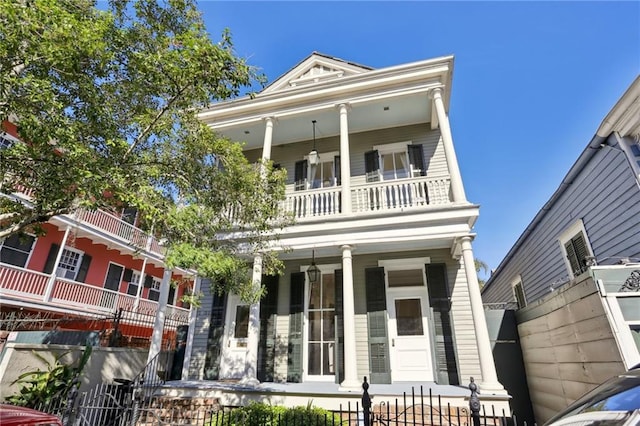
pixel 134 281
pixel 394 161
pixel 154 290
pixel 6 141
pixel 323 175
pixel 15 249
pixel 576 248
pixel 321 326
pixel 518 293
pixel 69 263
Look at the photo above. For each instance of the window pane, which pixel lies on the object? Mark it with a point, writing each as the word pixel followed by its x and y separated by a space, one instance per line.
pixel 315 331
pixel 315 358
pixel 630 307
pixel 409 317
pixel 405 278
pixel 328 291
pixel 314 297
pixel 13 257
pixel 635 333
pixel 242 322
pixel 328 325
pixel 402 169
pixel 327 174
pixel 328 356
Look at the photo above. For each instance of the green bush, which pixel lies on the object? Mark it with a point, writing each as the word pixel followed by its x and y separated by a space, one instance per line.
pixel 260 414
pixel 42 387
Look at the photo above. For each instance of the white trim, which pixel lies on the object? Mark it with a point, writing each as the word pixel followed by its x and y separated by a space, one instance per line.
pixel 388 148
pixel 77 266
pixel 326 268
pixel 33 244
pixel 514 283
pixel 572 231
pixel 401 264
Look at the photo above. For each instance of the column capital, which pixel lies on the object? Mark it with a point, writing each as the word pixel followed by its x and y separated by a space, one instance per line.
pixel 436 92
pixel 270 119
pixel 343 106
pixel 345 247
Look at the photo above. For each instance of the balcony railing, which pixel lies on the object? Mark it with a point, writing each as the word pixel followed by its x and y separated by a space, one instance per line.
pixel 388 196
pixel 32 286
pixel 120 229
pixel 112 225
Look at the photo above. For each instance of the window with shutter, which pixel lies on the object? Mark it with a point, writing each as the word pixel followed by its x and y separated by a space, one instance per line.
pixel 518 293
pixel 576 248
pixel 394 161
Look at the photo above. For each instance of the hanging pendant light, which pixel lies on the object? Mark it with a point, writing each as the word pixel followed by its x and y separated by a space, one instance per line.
pixel 313 272
pixel 314 158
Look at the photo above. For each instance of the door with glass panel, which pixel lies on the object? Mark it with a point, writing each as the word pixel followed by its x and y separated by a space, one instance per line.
pixel 234 357
pixel 409 338
pixel 321 329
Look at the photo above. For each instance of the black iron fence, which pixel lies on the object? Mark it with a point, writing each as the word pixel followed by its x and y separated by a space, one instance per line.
pixel 135 402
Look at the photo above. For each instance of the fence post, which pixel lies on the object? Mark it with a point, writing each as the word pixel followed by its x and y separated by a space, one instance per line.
pixel 366 403
pixel 71 400
pixel 474 403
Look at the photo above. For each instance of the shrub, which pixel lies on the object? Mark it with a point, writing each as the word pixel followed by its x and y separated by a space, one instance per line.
pixel 260 414
pixel 42 387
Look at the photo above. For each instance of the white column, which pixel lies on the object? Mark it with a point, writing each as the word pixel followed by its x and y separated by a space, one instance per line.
pixel 54 273
pixel 489 382
pixel 136 303
pixel 253 336
pixel 268 138
pixel 158 326
pixel 193 312
pixel 345 165
pixel 350 381
pixel 452 161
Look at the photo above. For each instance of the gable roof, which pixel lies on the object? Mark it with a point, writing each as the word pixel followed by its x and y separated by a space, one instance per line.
pixel 314 68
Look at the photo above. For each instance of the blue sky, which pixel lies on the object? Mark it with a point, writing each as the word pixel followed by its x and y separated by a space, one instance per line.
pixel 532 80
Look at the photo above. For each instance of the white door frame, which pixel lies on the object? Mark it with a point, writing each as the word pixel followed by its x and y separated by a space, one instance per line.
pixel 306 377
pixel 234 350
pixel 410 292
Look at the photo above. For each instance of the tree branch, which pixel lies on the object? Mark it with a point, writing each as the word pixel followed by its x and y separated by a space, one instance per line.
pixel 158 116
pixel 30 220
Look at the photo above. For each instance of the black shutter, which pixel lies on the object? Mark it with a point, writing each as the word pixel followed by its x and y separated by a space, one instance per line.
pixel 148 281
pixel 371 161
pixel 439 300
pixel 128 274
pixel 172 295
pixel 379 368
pixel 51 259
pixel 300 173
pixel 296 311
pixel 340 323
pixel 84 267
pixel 416 158
pixel 581 253
pixel 267 342
pixel 337 170
pixel 214 341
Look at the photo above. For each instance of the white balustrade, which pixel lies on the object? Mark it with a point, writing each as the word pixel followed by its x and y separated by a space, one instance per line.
pixel 118 228
pixel 375 196
pixel 66 293
pixel 23 282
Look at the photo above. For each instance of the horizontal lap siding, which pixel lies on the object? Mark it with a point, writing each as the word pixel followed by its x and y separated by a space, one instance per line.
pixel 359 143
pixel 606 196
pixel 201 333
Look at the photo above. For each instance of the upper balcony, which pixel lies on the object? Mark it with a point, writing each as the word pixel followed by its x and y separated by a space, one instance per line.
pixel 114 230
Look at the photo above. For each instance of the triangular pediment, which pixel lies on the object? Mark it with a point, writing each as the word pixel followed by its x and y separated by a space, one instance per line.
pixel 315 68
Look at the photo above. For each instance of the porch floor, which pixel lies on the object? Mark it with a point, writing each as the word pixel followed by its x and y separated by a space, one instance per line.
pixel 321 388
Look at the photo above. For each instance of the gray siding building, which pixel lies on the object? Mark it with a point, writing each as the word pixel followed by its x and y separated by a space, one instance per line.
pixel 574 273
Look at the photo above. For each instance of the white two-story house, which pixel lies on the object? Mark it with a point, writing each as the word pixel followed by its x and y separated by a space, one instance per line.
pixel 379 274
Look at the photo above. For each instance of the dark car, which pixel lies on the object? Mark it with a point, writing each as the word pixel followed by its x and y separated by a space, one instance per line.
pixel 616 402
pixel 10 415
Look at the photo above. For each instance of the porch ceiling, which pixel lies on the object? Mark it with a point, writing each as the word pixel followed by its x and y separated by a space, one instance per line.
pixel 293 126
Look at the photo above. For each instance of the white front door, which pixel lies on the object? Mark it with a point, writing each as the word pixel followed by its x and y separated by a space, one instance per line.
pixel 234 352
pixel 408 326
